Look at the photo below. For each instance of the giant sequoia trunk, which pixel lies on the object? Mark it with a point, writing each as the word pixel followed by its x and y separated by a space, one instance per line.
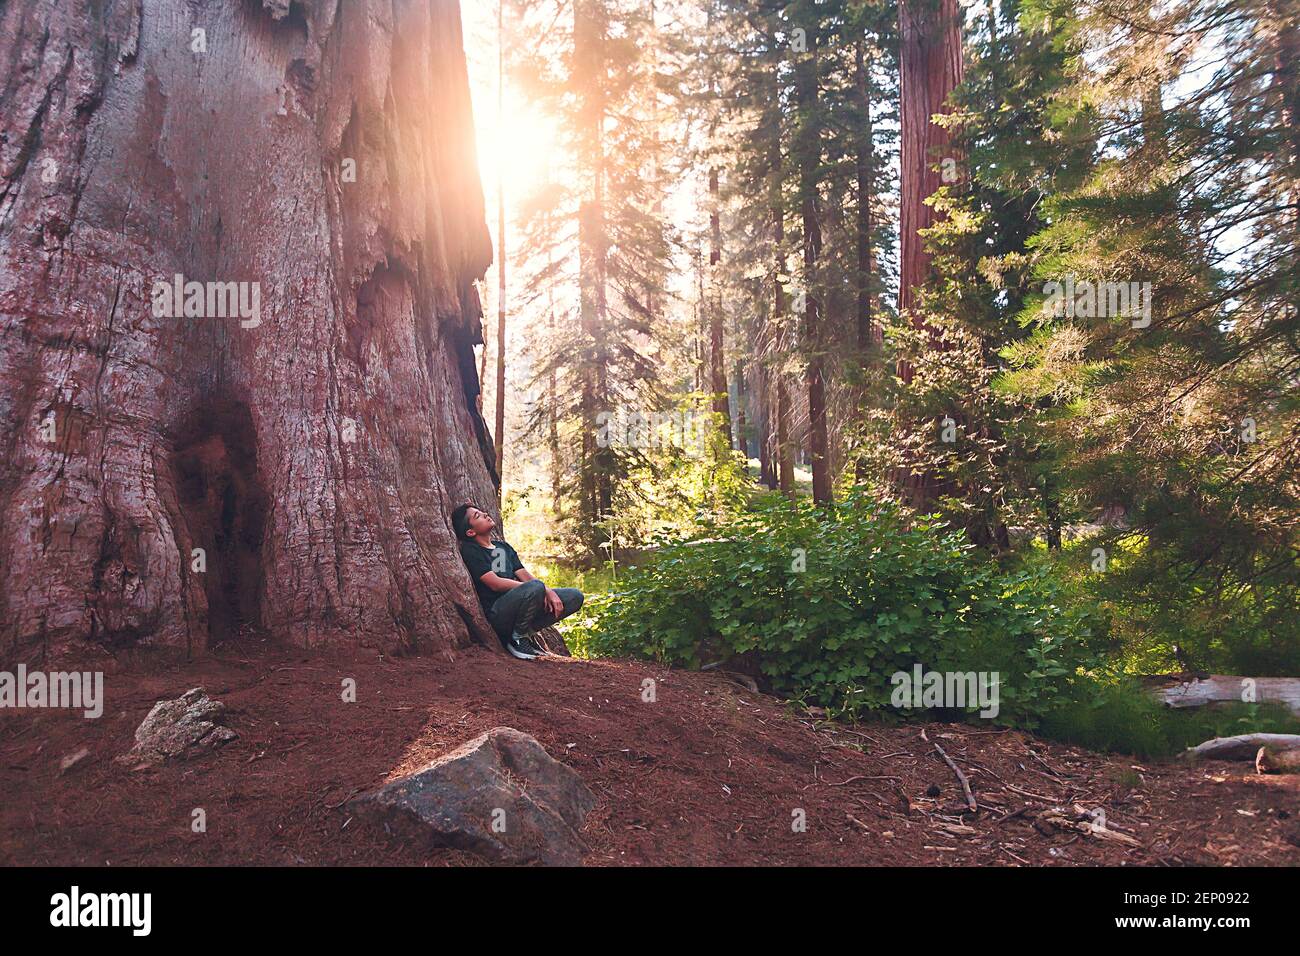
pixel 308 455
pixel 930 68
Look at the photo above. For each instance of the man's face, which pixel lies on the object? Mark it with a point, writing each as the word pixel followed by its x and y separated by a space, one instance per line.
pixel 480 522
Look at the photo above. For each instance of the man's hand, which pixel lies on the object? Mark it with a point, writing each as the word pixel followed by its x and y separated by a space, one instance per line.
pixel 553 603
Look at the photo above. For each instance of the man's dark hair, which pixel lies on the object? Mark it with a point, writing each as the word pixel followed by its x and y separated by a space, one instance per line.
pixel 460 520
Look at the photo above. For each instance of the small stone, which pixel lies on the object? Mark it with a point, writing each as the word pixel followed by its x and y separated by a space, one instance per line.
pixel 183 729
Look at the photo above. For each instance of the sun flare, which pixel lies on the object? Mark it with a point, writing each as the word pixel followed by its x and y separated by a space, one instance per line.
pixel 518 147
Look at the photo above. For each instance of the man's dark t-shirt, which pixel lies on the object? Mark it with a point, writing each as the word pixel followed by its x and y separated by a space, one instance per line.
pixel 500 559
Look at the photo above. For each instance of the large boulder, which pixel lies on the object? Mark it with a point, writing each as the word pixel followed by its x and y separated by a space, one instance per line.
pixel 183 728
pixel 500 796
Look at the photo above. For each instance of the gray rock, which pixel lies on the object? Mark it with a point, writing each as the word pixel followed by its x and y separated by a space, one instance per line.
pixel 183 728
pixel 500 796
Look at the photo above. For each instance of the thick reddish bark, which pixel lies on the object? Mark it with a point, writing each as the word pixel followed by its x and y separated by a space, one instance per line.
pixel 314 456
pixel 930 67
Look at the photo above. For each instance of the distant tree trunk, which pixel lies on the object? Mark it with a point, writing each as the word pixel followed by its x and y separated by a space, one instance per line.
pixel 785 451
pixel 809 146
pixel 718 370
pixel 289 467
pixel 482 376
pixel 766 440
pixel 656 171
pixel 930 69
pixel 552 405
pixel 500 434
pixel 1285 15
pixel 585 71
pixel 717 343
pixel 1052 512
pixel 742 428
pixel 782 463
pixel 699 322
pixel 587 321
pixel 865 156
pixel 589 77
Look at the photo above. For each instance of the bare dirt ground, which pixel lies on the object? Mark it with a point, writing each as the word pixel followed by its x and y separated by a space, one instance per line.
pixel 707 774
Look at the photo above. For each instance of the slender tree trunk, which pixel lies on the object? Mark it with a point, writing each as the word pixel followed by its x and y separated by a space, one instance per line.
pixel 588 60
pixel 284 459
pixel 867 337
pixel 809 162
pixel 701 307
pixel 552 405
pixel 742 440
pixel 500 433
pixel 766 438
pixel 605 461
pixel 1286 84
pixel 782 460
pixel 717 344
pixel 482 377
pixel 656 171
pixel 784 449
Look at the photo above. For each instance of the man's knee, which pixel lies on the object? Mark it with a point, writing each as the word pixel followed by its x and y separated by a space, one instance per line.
pixel 515 603
pixel 532 594
pixel 572 599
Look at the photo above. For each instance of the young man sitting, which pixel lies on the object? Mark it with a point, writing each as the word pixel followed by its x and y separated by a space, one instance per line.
pixel 515 602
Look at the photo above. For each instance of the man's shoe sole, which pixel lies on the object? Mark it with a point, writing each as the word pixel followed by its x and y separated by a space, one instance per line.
pixel 522 655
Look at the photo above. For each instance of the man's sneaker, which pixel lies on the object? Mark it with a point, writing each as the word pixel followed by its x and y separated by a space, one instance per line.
pixel 538 646
pixel 521 647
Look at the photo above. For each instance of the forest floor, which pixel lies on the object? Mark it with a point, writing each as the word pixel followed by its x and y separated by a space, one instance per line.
pixel 707 774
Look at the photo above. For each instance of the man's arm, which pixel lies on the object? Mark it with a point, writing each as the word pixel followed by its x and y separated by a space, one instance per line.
pixel 553 602
pixel 498 583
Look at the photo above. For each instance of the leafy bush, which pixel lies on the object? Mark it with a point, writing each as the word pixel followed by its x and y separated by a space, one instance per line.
pixel 831 604
pixel 1244 624
pixel 1160 620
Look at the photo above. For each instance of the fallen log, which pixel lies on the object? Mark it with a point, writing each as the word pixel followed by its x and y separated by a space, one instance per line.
pixel 1205 689
pixel 1269 760
pixel 1242 746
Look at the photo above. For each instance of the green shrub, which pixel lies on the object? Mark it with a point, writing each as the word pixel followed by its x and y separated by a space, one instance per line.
pixel 1159 622
pixel 1125 718
pixel 832 604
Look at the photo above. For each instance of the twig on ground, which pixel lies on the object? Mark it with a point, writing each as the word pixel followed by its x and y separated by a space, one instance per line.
pixel 844 783
pixel 961 777
pixel 1036 796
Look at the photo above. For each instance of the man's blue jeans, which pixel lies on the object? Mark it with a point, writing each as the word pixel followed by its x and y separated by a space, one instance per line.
pixel 524 608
